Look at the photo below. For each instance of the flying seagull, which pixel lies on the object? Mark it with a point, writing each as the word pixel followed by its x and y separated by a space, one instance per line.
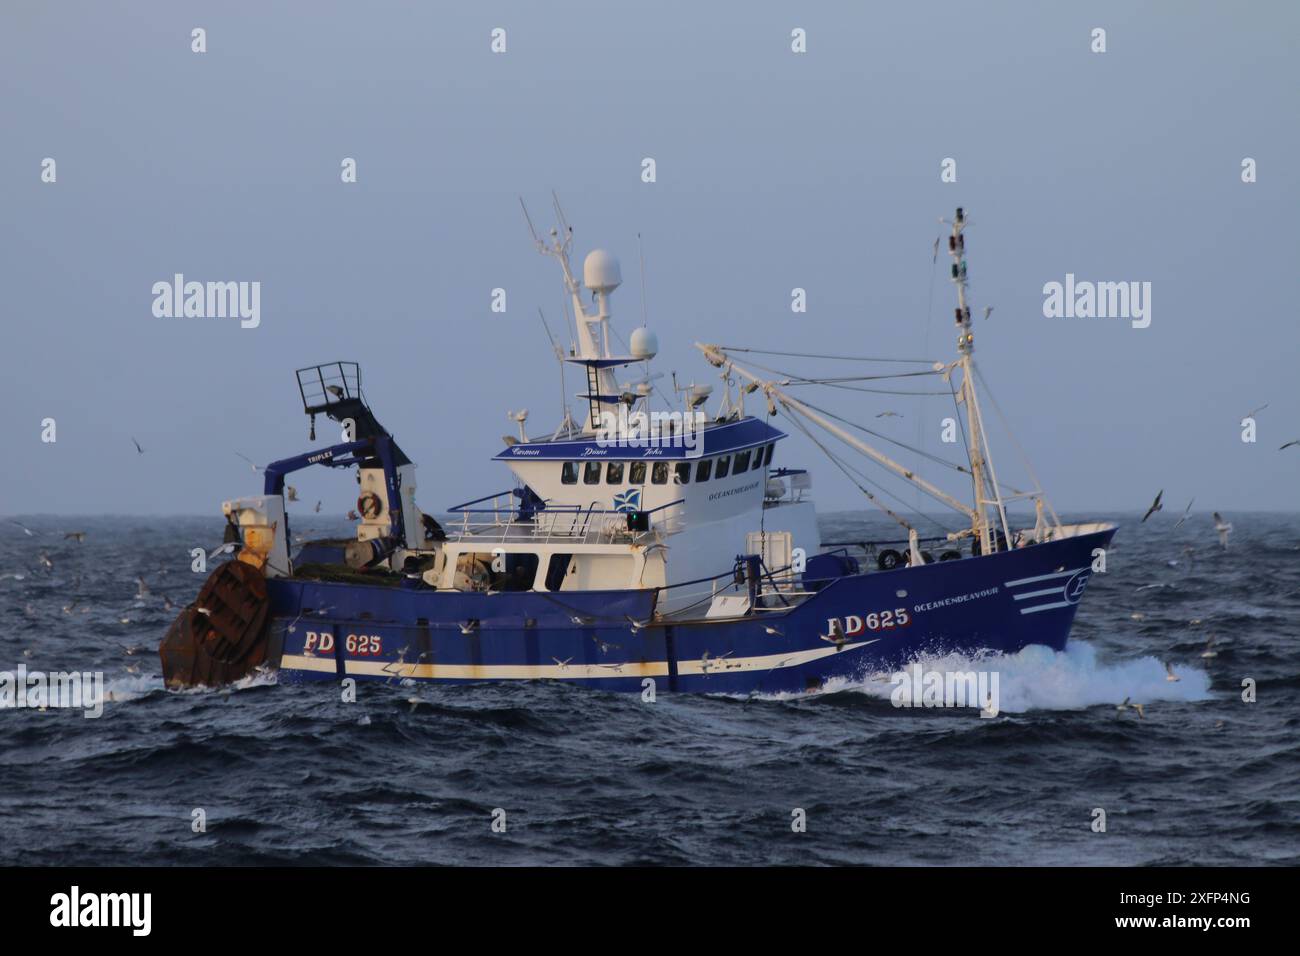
pixel 255 466
pixel 1126 706
pixel 935 257
pixel 77 536
pixel 1187 511
pixel 1209 648
pixel 26 530
pixel 1155 506
pixel 293 492
pixel 137 445
pixel 1224 528
pixel 1169 672
pixel 1258 410
pixel 1295 441
pixel 228 548
pixel 889 415
pixel 318 507
pixel 988 310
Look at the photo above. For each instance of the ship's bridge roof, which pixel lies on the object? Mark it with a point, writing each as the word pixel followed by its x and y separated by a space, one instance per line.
pixel 715 439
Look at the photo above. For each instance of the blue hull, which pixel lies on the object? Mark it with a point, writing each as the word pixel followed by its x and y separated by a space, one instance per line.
pixel 1000 602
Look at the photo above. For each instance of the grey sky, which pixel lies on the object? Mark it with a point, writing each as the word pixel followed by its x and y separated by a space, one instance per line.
pixel 775 170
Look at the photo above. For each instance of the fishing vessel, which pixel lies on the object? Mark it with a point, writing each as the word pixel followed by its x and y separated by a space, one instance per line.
pixel 648 546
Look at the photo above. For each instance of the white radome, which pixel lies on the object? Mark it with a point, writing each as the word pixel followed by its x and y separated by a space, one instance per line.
pixel 600 271
pixel 644 343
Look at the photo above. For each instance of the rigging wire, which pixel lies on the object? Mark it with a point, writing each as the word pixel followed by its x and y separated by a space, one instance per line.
pixel 858 388
pixel 842 358
pixel 1033 476
pixel 835 459
pixel 845 378
pixel 893 441
pixel 844 468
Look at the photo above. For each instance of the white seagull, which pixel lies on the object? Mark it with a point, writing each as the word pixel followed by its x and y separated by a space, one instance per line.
pixel 228 548
pixel 1126 706
pixel 1224 528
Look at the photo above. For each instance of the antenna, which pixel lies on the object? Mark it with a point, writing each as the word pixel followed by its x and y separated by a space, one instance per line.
pixel 529 220
pixel 559 357
pixel 559 214
pixel 640 251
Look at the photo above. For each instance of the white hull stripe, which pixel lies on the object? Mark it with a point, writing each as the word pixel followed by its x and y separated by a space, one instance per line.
pixel 768 662
pixel 1045 607
pixel 713 665
pixel 1059 589
pixel 1043 577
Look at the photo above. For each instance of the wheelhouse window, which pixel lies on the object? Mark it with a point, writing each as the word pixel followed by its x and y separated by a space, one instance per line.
pixel 659 475
pixel 724 466
pixel 682 473
pixel 556 571
pixel 767 458
pixel 703 470
pixel 569 473
pixel 520 572
pixel 591 473
pixel 614 473
pixel 742 461
pixel 636 473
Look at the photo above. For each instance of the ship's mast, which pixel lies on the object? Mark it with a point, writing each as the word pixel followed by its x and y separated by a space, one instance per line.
pixel 988 518
pixel 592 331
pixel 983 476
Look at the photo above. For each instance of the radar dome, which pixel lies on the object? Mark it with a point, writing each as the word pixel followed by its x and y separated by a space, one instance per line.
pixel 600 271
pixel 644 343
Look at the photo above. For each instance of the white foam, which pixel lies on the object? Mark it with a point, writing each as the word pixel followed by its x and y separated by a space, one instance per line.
pixel 1038 678
pixel 119 690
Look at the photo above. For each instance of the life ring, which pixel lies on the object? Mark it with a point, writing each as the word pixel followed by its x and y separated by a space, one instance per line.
pixel 369 505
pixel 889 559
